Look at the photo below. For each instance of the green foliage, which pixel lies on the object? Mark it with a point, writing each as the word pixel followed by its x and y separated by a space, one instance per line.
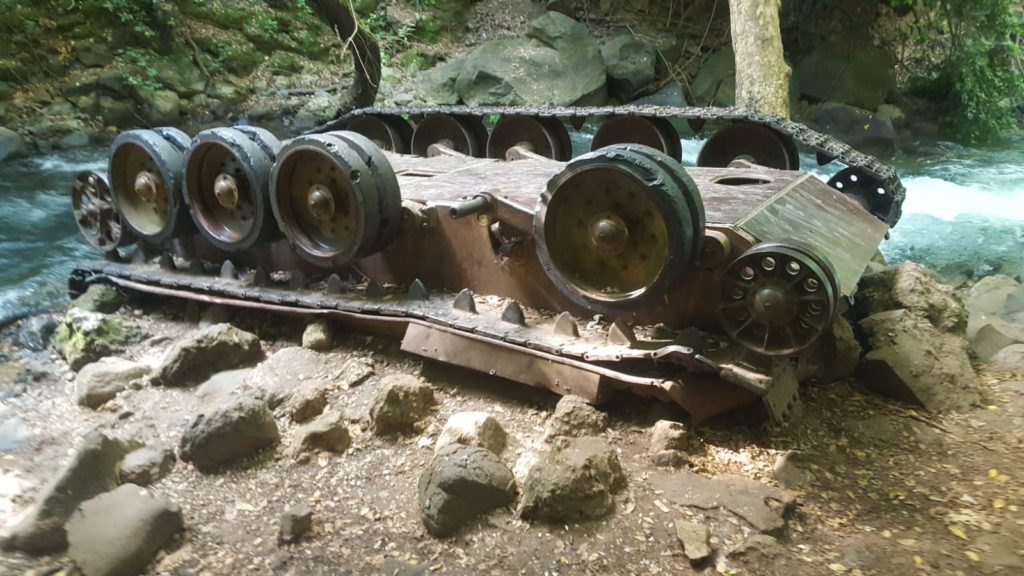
pixel 146 17
pixel 143 74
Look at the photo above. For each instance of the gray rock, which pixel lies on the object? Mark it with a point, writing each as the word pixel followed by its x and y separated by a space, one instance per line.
pixel 222 385
pixel 669 435
pixel 179 75
pixel 12 145
pixel 833 356
pixel 114 83
pixel 318 335
pixel 401 402
pixel 116 112
pixel 630 63
pixel 575 480
pixel 913 287
pixel 228 434
pixel 91 471
pixel 857 127
pixel 147 465
pixel 1009 359
pixel 99 382
pixel 295 523
pixel 205 352
pixel 558 63
pixel 308 402
pixel 756 548
pixel 215 315
pixel 460 484
pixel 327 433
pixel 93 55
pixel 35 333
pixel 278 377
pixel 473 429
pixel 73 141
pixel 83 337
pixel 120 532
pixel 670 458
pixel 988 297
pixel 670 95
pixel 849 71
pixel 438 85
pixel 99 298
pixel 715 82
pixel 762 507
pixel 161 107
pixel 694 538
pixel 795 469
pixel 573 416
pixel 911 360
pixel 995 335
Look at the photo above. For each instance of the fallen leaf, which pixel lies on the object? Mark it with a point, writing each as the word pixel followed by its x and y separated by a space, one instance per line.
pixel 972 555
pixel 992 472
pixel 957 530
pixel 907 541
pixel 836 567
pixel 918 561
pixel 999 503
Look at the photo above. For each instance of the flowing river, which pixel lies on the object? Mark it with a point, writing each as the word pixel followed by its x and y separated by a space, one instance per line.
pixel 964 212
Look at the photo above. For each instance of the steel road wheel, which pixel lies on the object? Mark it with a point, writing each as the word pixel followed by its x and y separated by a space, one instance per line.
pixel 391 133
pixel 324 200
pixel 545 137
pixel 778 298
pixel 97 219
pixel 464 134
pixel 751 142
pixel 227 189
pixel 656 133
pixel 146 173
pixel 614 231
pixel 389 195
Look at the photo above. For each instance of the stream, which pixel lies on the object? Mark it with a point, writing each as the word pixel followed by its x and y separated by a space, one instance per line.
pixel 964 215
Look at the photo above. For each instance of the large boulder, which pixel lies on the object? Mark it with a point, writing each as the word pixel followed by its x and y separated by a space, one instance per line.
pixel 12 145
pixel 833 356
pixel 438 85
pixel 146 465
pixel 630 63
pixel 849 71
pixel 400 404
pixel 911 360
pixel 101 381
pixel 91 471
pixel 229 433
pixel 860 128
pixel 715 83
pixel 327 433
pixel 558 63
pixel 473 429
pixel 161 107
pixel 120 532
pixel 913 287
pixel 989 296
pixel 205 352
pixel 573 416
pixel 84 337
pixel 1009 359
pixel 461 483
pixel 575 480
pixel 993 336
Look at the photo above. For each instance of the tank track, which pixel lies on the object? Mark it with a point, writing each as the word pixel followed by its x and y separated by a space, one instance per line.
pixel 825 147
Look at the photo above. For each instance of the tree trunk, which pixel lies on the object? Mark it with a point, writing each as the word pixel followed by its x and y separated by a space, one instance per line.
pixel 762 75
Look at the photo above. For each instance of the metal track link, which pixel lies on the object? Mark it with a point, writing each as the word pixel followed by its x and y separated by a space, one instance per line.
pixel 823 145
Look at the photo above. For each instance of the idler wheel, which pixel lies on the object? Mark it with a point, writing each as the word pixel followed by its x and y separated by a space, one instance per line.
pixel 97 219
pixel 545 137
pixel 324 200
pixel 751 142
pixel 866 189
pixel 227 187
pixel 656 133
pixel 146 173
pixel 615 230
pixel 389 195
pixel 387 132
pixel 778 298
pixel 464 134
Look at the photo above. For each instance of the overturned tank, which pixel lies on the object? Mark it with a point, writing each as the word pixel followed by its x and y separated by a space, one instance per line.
pixel 476 237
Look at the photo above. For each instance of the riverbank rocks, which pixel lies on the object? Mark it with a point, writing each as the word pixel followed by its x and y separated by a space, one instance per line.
pixel 120 532
pixel 852 72
pixel 670 442
pixel 147 465
pixel 795 469
pixel 84 337
pixel 473 429
pixel 328 433
pixel 401 402
pixel 861 129
pixel 912 287
pixel 558 63
pixel 1009 359
pixel 99 382
pixel 990 296
pixel 295 523
pixel 573 416
pixel 228 434
pixel 715 83
pixel 911 360
pixel 289 370
pixel 99 298
pixel 461 483
pixel 993 336
pixel 205 352
pixel 438 85
pixel 12 145
pixel 575 480
pixel 318 335
pixel 91 471
pixel 695 540
pixel 833 356
pixel 631 64
pixel 764 508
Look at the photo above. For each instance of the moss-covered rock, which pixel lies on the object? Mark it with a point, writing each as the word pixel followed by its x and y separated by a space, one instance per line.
pixel 99 298
pixel 84 337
